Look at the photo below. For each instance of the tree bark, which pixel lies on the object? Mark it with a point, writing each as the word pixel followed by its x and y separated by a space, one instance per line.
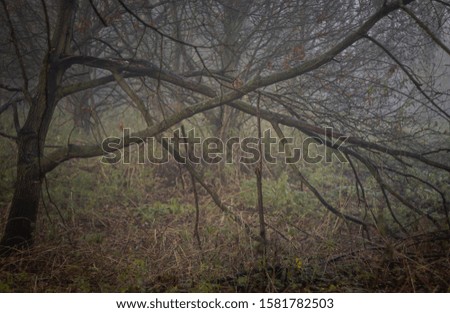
pixel 23 212
pixel 25 202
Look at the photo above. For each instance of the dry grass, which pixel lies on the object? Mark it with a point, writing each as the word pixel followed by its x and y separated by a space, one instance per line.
pixel 142 241
pixel 116 250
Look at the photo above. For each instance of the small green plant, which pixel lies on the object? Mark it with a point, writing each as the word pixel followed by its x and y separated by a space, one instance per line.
pixel 277 193
pixel 160 209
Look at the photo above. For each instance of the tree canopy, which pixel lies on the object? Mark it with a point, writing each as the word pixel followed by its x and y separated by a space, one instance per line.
pixel 376 73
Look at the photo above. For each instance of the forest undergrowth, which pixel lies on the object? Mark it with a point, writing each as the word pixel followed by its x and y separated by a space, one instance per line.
pixel 113 229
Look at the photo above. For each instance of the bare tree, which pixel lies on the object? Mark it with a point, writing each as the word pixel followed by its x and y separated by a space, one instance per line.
pixel 365 70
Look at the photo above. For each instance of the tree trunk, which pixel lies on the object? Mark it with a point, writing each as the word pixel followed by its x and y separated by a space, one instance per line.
pixel 23 212
pixel 24 208
pixel 31 138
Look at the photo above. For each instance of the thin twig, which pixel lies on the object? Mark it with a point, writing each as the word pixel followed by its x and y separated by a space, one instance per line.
pixel 258 172
pixel 188 149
